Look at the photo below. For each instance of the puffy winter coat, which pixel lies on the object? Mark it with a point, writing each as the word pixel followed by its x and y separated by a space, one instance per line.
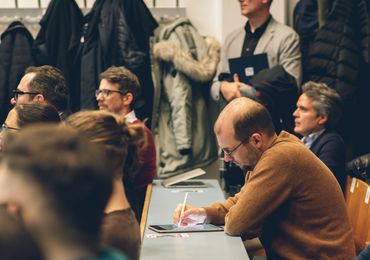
pixel 181 121
pixel 340 47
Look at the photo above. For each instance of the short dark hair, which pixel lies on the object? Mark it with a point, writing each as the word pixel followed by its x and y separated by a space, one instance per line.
pixel 126 80
pixel 72 173
pixel 254 118
pixel 325 100
pixel 30 113
pixel 50 82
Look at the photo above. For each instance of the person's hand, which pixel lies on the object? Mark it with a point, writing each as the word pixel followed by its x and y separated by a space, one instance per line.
pixel 231 90
pixel 190 217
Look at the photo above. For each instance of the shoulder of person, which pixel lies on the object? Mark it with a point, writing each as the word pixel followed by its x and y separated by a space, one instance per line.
pixel 282 29
pixel 234 34
pixel 332 136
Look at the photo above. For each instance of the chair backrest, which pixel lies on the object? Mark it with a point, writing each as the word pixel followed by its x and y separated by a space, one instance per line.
pixel 357 195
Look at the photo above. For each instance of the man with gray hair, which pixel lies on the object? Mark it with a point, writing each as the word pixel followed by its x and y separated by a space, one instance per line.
pixel 318 111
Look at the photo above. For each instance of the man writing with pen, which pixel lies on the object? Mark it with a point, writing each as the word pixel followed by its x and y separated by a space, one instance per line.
pixel 291 200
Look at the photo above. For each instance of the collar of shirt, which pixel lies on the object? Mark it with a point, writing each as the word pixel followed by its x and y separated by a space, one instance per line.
pixel 259 31
pixel 309 139
pixel 131 117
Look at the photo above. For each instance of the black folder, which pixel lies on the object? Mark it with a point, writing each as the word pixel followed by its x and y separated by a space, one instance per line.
pixel 248 66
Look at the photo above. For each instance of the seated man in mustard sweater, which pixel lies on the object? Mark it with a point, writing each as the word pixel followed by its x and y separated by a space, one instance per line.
pixel 291 200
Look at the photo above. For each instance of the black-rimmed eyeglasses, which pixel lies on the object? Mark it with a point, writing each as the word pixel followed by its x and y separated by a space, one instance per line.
pixel 229 152
pixel 16 93
pixel 5 127
pixel 107 92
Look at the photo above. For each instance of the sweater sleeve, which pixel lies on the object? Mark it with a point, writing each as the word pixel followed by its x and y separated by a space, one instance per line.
pixel 267 187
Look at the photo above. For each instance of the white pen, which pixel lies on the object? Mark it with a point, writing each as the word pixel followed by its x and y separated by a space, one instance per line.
pixel 183 208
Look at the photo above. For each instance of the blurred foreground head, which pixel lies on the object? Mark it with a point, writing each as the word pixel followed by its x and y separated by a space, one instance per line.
pixel 59 181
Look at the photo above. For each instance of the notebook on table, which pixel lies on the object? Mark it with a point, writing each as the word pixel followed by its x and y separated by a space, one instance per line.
pixel 183 180
pixel 247 67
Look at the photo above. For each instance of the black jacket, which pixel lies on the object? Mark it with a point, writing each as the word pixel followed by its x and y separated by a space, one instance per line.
pixel 359 167
pixel 15 57
pixel 340 47
pixel 117 33
pixel 58 39
pixel 329 147
pixel 277 90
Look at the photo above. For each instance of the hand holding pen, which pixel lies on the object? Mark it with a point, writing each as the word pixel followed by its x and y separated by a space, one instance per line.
pixel 186 215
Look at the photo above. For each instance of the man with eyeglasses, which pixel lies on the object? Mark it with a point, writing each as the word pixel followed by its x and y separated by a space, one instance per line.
pixel 261 33
pixel 43 84
pixel 291 200
pixel 118 93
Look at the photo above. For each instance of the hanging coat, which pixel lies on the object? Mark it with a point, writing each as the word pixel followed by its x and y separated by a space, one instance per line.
pixel 59 37
pixel 181 122
pixel 15 57
pixel 117 33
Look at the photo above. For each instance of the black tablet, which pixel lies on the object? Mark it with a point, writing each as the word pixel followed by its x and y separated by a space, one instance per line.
pixel 172 228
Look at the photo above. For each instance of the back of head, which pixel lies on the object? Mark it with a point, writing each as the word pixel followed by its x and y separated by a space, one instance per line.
pixel 247 116
pixel 127 81
pixel 119 140
pixel 31 113
pixel 326 101
pixel 15 242
pixel 50 82
pixel 72 176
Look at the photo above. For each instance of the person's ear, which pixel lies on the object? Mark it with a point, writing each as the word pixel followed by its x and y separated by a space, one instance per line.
pixel 323 119
pixel 39 98
pixel 128 98
pixel 256 140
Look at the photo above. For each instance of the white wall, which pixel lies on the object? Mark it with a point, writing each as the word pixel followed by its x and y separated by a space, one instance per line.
pixel 212 17
pixel 219 17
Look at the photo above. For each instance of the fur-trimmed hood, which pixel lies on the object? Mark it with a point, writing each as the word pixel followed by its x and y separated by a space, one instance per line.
pixel 202 71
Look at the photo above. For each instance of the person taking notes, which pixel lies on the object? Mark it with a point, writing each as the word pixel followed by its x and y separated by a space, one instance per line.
pixel 291 200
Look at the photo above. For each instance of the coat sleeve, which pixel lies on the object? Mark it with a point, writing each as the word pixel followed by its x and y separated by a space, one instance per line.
pixel 223 67
pixel 266 189
pixel 290 56
pixel 178 90
pixel 332 154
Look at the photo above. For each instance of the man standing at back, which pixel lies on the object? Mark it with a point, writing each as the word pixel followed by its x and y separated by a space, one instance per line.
pixel 118 93
pixel 318 111
pixel 43 84
pixel 261 34
pixel 291 201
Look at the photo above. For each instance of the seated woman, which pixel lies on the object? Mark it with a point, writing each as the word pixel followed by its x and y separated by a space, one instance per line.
pixel 120 228
pixel 26 114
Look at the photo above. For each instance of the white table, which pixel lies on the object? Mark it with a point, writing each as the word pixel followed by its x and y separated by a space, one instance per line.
pixel 202 245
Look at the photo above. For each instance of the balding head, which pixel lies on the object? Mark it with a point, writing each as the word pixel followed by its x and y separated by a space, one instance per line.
pixel 246 116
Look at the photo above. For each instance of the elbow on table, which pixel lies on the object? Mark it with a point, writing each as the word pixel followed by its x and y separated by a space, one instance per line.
pixel 232 230
pixel 235 229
